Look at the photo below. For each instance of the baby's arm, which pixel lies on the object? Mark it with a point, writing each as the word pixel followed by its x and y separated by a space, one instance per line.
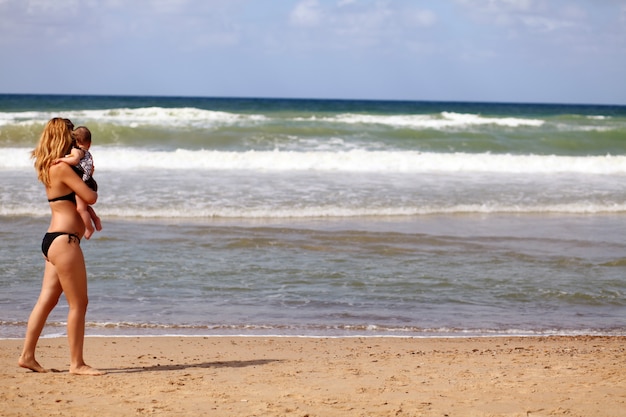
pixel 73 158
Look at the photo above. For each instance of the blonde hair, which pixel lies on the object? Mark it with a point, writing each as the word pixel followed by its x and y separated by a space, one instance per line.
pixel 55 142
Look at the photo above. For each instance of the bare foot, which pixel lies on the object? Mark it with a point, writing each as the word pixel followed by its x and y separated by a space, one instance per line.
pixel 86 370
pixel 88 232
pixel 32 364
pixel 97 223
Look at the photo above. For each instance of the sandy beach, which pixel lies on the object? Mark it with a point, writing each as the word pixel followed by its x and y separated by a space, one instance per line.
pixel 291 376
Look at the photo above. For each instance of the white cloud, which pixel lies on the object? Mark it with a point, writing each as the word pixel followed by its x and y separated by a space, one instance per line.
pixel 544 24
pixel 530 18
pixel 57 8
pixel 497 6
pixel 168 6
pixel 374 38
pixel 358 26
pixel 307 13
pixel 421 17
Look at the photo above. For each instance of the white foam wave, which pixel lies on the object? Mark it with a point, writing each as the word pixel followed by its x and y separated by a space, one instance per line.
pixel 24 118
pixel 159 116
pixel 145 116
pixel 445 120
pixel 195 117
pixel 182 212
pixel 124 159
pixel 343 212
pixel 15 158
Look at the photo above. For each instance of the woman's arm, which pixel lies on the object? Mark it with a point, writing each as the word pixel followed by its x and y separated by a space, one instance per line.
pixel 70 178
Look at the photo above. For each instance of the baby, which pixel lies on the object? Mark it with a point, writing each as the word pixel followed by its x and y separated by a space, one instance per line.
pixel 81 159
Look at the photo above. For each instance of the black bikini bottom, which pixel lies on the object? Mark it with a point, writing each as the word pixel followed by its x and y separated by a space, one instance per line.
pixel 48 238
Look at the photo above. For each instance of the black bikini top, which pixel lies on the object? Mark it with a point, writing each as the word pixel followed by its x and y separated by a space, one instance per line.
pixel 69 197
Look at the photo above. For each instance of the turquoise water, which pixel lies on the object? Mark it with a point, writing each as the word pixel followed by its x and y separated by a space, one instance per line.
pixel 266 216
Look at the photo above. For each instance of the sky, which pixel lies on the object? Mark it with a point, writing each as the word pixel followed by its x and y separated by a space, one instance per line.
pixel 548 51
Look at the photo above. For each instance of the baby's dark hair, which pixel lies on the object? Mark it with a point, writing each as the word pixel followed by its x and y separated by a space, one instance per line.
pixel 82 135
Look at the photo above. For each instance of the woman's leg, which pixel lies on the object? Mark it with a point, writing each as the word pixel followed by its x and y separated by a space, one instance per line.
pixel 48 299
pixel 67 258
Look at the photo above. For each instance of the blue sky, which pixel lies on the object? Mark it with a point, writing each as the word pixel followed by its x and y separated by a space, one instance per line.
pixel 565 51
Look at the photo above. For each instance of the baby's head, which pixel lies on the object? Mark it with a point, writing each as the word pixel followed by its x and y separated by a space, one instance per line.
pixel 82 136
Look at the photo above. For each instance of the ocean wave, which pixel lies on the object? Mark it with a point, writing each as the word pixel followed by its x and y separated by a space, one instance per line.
pixel 343 212
pixel 124 159
pixel 194 117
pixel 443 120
pixel 263 130
pixel 11 330
pixel 341 330
pixel 145 116
pixel 110 210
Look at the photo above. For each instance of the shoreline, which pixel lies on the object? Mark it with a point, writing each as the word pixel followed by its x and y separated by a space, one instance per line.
pixel 436 336
pixel 323 376
pixel 440 334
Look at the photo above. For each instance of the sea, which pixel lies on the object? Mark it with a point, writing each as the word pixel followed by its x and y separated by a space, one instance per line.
pixel 329 218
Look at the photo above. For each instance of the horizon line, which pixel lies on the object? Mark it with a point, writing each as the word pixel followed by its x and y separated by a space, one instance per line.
pixel 176 96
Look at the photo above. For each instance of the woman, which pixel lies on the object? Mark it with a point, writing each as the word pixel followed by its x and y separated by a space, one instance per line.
pixel 65 270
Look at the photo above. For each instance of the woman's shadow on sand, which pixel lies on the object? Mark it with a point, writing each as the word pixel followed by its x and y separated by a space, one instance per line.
pixel 179 367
